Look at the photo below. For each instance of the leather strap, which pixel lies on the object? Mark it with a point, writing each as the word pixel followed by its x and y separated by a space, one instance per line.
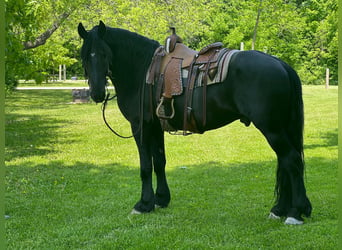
pixel 154 69
pixel 205 80
pixel 188 97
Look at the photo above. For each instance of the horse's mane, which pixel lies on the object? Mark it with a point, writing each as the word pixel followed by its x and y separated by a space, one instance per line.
pixel 127 41
pixel 132 46
pixel 125 36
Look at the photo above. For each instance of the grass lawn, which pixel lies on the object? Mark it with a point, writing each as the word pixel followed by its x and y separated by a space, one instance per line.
pixel 67 83
pixel 71 184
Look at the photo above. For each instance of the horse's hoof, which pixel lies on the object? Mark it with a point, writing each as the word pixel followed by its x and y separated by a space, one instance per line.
pixel 273 216
pixel 293 221
pixel 135 212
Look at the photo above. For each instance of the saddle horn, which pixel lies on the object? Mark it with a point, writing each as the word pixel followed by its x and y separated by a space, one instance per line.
pixel 170 42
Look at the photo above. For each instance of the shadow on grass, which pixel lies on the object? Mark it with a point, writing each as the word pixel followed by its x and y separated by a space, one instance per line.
pixel 57 195
pixel 29 135
pixel 69 204
pixel 330 138
pixel 38 99
pixel 79 189
pixel 213 183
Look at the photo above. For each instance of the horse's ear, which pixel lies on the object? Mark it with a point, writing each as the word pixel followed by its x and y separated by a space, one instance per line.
pixel 82 32
pixel 102 29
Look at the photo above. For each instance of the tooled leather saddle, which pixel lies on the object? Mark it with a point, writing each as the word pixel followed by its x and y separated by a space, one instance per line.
pixel 175 68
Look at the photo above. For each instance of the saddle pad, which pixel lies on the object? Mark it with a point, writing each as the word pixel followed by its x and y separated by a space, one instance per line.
pixel 222 69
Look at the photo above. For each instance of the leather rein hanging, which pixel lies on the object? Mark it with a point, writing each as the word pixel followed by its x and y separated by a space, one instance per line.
pixel 103 107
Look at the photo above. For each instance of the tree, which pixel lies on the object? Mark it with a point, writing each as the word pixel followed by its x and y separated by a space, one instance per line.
pixel 320 48
pixel 42 34
pixel 29 24
pixel 41 39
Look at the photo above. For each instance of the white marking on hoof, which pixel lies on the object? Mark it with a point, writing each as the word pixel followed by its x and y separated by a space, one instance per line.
pixel 273 216
pixel 293 221
pixel 135 212
pixel 157 206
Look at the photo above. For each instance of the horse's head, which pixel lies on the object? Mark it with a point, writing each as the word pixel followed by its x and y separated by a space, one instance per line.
pixel 96 60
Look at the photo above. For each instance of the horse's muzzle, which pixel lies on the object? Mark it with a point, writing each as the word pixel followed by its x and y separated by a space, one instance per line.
pixel 98 97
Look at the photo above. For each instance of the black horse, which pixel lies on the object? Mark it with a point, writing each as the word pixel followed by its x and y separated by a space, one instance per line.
pixel 259 88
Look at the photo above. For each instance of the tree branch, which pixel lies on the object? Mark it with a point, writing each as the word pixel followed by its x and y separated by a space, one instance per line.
pixel 41 39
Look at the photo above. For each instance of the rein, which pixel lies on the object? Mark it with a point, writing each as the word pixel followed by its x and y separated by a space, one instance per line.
pixel 104 105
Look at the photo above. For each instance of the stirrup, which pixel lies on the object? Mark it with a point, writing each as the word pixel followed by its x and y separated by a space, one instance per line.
pixel 160 111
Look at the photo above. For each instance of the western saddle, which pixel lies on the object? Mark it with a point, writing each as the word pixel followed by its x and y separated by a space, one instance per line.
pixel 175 67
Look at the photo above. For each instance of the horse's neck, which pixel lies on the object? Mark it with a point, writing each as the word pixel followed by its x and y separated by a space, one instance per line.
pixel 131 60
pixel 129 67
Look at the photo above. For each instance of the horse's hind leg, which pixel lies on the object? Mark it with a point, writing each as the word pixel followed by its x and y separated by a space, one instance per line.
pixel 291 194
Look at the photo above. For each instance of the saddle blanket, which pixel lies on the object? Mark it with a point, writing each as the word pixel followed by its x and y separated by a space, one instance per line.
pixel 219 76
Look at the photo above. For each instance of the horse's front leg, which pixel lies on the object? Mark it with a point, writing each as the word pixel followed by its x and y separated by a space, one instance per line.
pixel 152 156
pixel 162 196
pixel 146 202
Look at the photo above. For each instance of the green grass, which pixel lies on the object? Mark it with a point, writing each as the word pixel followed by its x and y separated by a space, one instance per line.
pixel 71 184
pixel 71 83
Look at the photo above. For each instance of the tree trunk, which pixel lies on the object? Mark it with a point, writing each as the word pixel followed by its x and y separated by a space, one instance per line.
pixel 256 25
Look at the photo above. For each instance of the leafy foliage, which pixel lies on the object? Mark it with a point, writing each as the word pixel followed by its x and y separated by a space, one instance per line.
pixel 301 32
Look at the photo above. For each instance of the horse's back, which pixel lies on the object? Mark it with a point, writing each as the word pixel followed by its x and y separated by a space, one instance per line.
pixel 258 70
pixel 262 86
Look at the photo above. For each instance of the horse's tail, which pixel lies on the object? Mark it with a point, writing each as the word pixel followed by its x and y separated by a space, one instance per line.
pixel 294 130
pixel 295 127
